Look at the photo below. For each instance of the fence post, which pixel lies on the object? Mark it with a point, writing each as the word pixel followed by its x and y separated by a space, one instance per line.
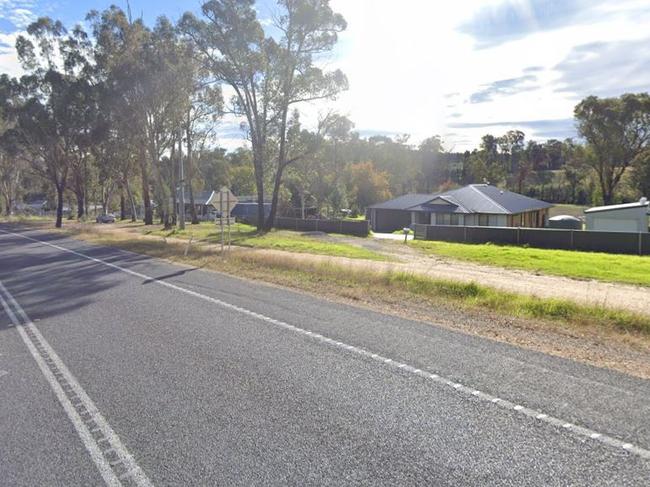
pixel 640 243
pixel 518 235
pixel 465 234
pixel 571 245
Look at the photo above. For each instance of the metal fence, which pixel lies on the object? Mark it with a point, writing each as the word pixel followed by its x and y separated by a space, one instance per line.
pixel 545 238
pixel 360 228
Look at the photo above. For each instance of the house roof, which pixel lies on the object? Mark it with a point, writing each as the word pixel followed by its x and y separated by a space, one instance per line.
pixel 475 198
pixel 200 197
pixel 637 204
pixel 404 202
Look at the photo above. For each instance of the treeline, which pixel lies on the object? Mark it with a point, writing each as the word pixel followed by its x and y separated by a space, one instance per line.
pixel 118 108
pixel 106 118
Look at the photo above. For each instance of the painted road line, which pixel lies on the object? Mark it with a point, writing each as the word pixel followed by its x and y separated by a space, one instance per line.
pixel 401 367
pixel 80 409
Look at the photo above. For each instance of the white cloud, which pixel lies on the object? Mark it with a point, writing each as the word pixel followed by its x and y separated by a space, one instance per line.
pixel 403 58
pixel 8 58
pixel 18 12
pixel 21 17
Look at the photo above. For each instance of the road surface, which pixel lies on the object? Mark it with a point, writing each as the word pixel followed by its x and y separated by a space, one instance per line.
pixel 119 369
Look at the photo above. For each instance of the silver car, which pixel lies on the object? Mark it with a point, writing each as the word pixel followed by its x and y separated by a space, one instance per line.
pixel 107 218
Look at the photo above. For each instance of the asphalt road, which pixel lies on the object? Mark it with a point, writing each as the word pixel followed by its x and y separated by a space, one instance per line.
pixel 119 369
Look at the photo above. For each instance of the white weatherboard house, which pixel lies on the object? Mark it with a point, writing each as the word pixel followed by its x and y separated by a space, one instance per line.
pixel 629 217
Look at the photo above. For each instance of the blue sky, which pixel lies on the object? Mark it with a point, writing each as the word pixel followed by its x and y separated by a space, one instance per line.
pixel 459 69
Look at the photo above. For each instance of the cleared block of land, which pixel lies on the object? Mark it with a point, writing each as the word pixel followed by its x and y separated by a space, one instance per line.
pixel 629 269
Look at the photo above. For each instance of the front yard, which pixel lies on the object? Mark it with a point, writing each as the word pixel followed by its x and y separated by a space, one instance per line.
pixel 628 269
pixel 246 236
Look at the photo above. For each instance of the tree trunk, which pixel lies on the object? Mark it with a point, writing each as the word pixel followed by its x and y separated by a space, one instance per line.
pixel 134 215
pixel 80 204
pixel 175 184
pixel 8 204
pixel 274 199
pixel 122 204
pixel 148 213
pixel 190 173
pixel 259 184
pixel 302 205
pixel 59 205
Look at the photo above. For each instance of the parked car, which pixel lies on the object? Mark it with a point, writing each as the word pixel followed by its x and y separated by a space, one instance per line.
pixel 107 218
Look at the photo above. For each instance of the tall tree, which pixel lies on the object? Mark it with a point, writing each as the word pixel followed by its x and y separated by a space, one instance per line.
pixel 618 130
pixel 204 107
pixel 120 45
pixel 641 173
pixel 11 165
pixel 268 75
pixel 367 185
pixel 52 122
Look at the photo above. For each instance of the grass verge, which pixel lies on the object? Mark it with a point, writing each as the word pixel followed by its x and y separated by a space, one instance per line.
pixel 628 269
pixel 246 236
pixel 305 274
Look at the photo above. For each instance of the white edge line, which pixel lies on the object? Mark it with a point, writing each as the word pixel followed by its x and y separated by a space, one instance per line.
pixel 484 397
pixel 86 437
pixel 132 468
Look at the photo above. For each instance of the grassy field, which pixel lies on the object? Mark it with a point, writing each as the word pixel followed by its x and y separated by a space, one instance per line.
pixel 629 269
pixel 573 210
pixel 246 236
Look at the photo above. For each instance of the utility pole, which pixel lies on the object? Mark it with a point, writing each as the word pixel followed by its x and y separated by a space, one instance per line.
pixel 181 213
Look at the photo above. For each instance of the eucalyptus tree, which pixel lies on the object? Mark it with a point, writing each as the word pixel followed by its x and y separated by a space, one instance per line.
pixel 641 173
pixel 202 111
pixel 268 74
pixel 53 118
pixel 12 167
pixel 120 45
pixel 618 130
pixel 145 71
pixel 164 105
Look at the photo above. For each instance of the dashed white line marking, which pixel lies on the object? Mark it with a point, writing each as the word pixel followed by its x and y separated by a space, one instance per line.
pixel 578 430
pixel 48 361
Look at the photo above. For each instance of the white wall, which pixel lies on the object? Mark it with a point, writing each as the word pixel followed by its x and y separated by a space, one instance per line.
pixel 472 220
pixel 625 220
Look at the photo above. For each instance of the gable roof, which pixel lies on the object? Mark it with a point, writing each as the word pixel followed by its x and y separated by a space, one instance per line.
pixel 475 198
pixel 404 202
pixel 200 197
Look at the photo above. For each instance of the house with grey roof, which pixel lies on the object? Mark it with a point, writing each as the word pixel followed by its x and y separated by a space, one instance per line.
pixel 473 205
pixel 204 211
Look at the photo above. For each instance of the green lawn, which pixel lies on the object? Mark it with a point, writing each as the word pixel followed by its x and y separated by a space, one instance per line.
pixel 630 269
pixel 246 236
pixel 573 210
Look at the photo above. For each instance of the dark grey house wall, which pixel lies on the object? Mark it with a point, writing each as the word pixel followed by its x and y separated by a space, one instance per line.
pixel 387 221
pixel 611 242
